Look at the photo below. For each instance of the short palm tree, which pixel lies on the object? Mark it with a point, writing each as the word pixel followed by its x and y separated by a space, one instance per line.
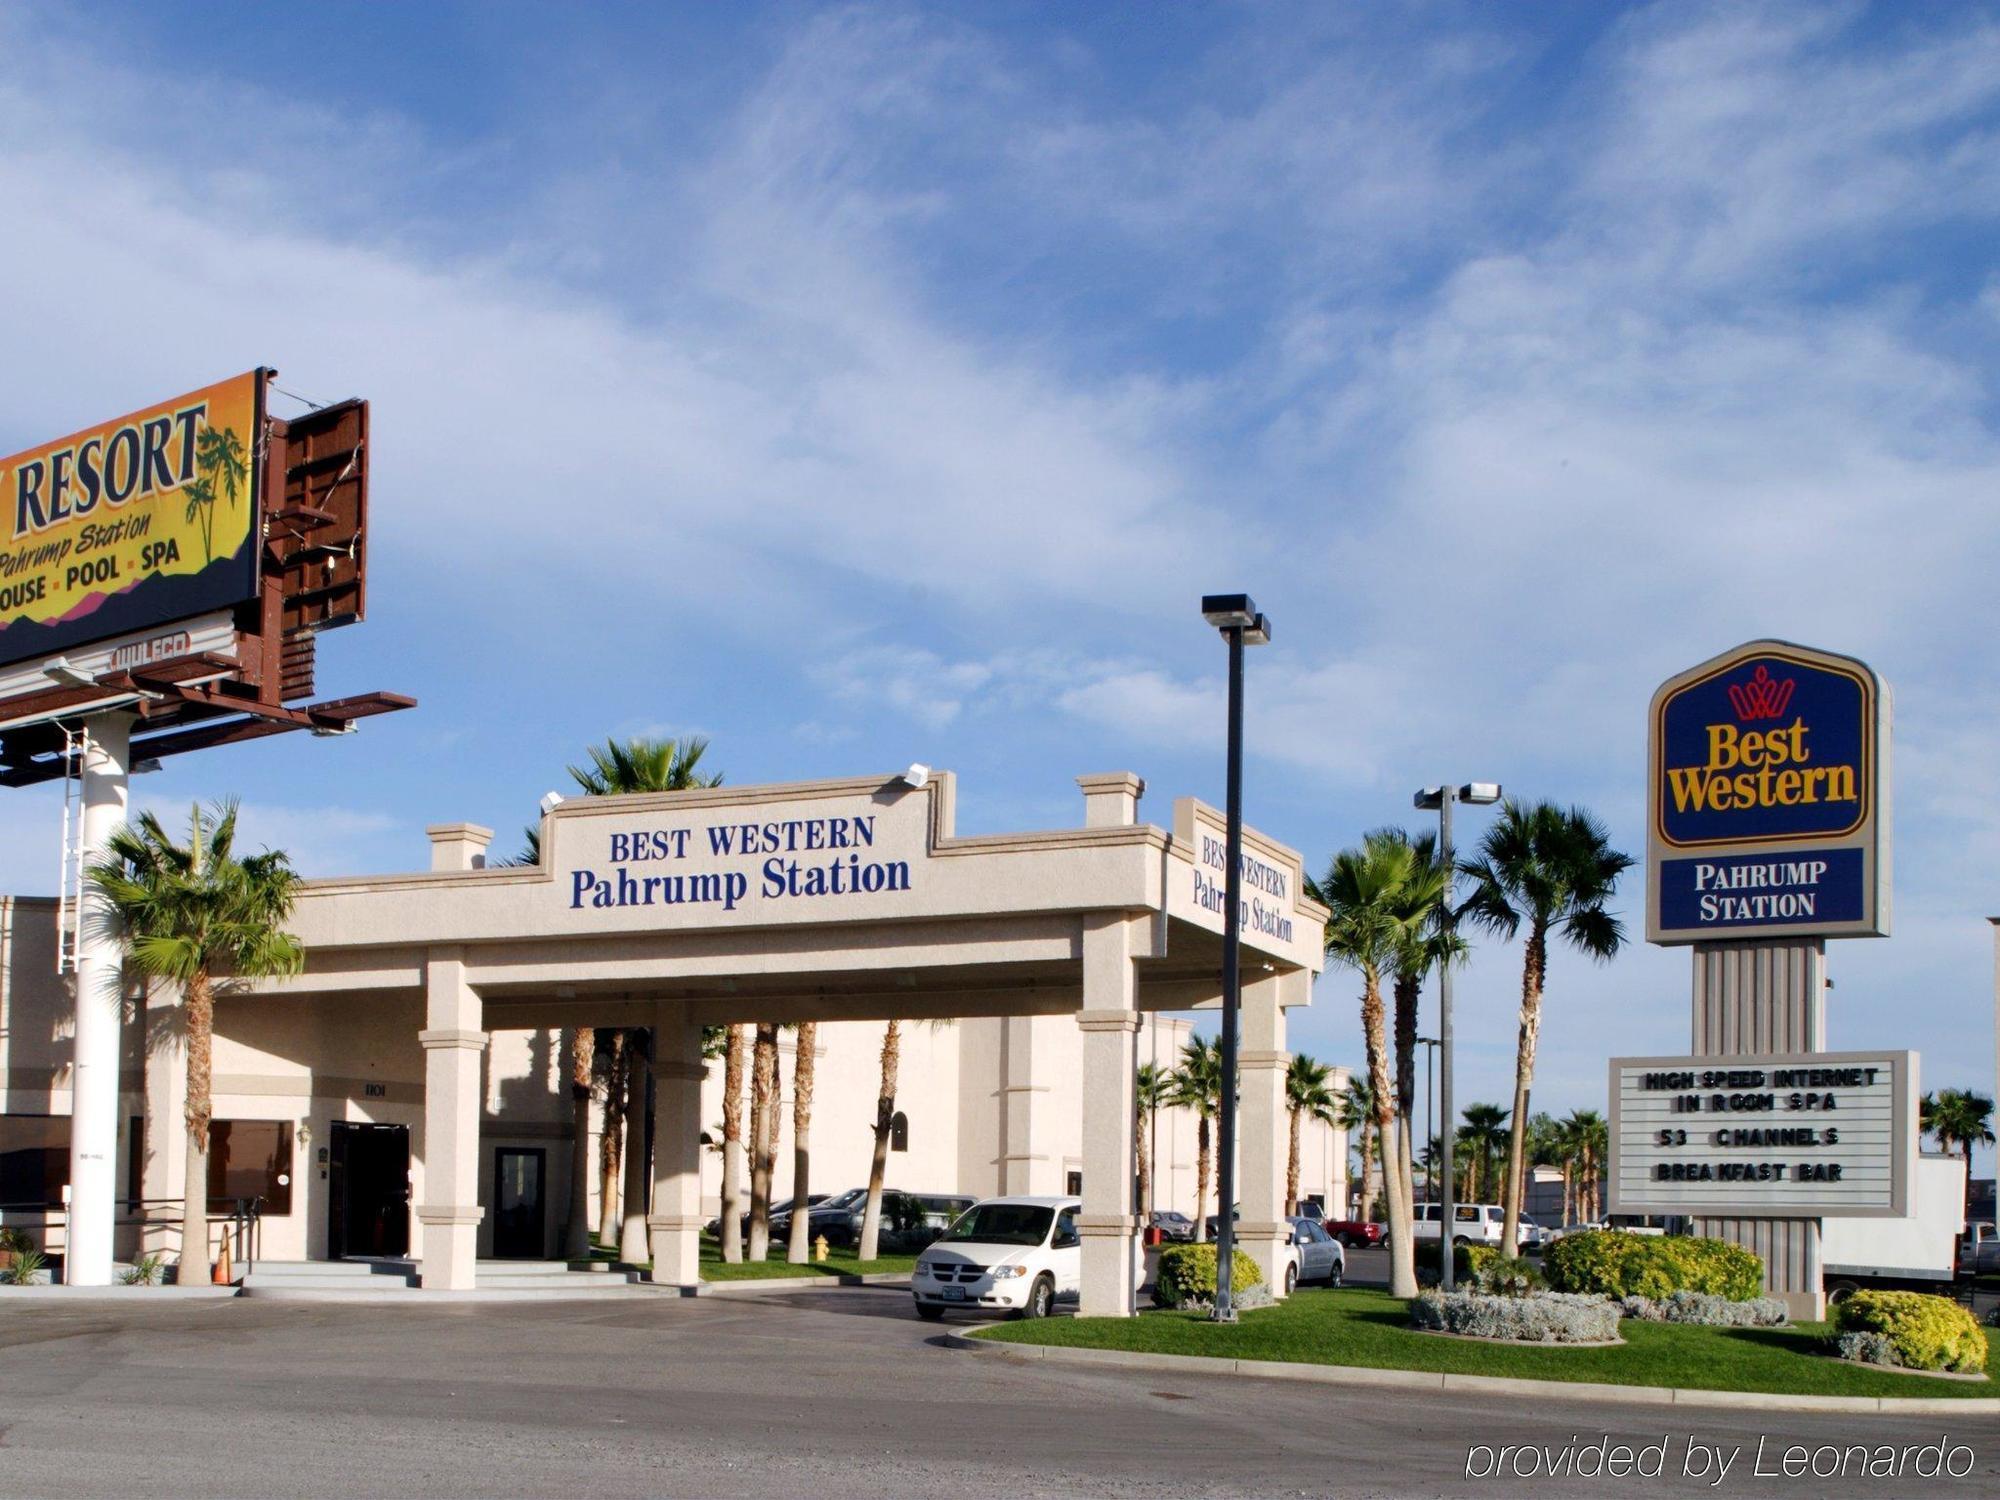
pixel 1590 1137
pixel 1364 892
pixel 1424 942
pixel 1153 1093
pixel 1484 1132
pixel 1308 1096
pixel 1961 1118
pixel 1555 870
pixel 186 911
pixel 1196 1085
pixel 869 1243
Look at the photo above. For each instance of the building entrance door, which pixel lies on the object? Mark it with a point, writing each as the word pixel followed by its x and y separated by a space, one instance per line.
pixel 368 1202
pixel 518 1214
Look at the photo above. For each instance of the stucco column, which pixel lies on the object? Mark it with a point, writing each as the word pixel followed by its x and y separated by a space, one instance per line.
pixel 1109 1021
pixel 453 1040
pixel 632 1245
pixel 676 1219
pixel 1264 1143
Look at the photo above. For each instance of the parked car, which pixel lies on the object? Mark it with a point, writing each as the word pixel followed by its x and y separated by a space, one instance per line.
pixel 1350 1233
pixel 781 1218
pixel 1235 1216
pixel 1472 1223
pixel 1979 1250
pixel 1532 1236
pixel 910 1221
pixel 1015 1255
pixel 1311 1208
pixel 782 1209
pixel 1312 1254
pixel 1173 1225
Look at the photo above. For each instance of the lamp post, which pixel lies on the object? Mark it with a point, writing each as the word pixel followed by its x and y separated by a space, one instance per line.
pixel 1478 794
pixel 1430 1046
pixel 1235 615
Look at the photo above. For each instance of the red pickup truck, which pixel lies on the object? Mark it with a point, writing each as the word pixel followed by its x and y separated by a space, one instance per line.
pixel 1354 1232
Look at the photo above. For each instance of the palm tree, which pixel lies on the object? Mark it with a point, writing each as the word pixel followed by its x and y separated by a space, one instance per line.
pixel 1307 1097
pixel 610 1153
pixel 731 1145
pixel 617 768
pixel 201 505
pixel 1554 869
pixel 1962 1118
pixel 802 1106
pixel 1357 1112
pixel 219 455
pixel 1364 892
pixel 185 911
pixel 1484 1130
pixel 763 1136
pixel 1196 1084
pixel 1154 1093
pixel 870 1242
pixel 1591 1140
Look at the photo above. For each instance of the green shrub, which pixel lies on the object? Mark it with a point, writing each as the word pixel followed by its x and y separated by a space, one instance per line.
pixel 1612 1263
pixel 1187 1275
pixel 27 1265
pixel 1465 1259
pixel 146 1271
pixel 14 1241
pixel 1505 1276
pixel 1925 1332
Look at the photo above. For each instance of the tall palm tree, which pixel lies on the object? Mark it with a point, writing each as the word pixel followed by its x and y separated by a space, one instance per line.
pixel 1554 869
pixel 1483 1133
pixel 617 768
pixel 803 1067
pixel 1196 1084
pixel 1364 892
pixel 1425 941
pixel 611 1144
pixel 1962 1118
pixel 764 1084
pixel 1357 1112
pixel 1308 1096
pixel 186 910
pixel 732 1145
pixel 1153 1093
pixel 870 1242
pixel 1591 1140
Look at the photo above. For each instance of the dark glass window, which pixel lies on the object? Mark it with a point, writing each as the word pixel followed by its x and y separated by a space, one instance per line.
pixel 34 1160
pixel 250 1159
pixel 135 1162
pixel 899 1131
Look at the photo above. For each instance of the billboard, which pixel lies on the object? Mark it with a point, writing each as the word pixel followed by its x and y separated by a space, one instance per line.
pixel 1801 1135
pixel 132 524
pixel 1767 798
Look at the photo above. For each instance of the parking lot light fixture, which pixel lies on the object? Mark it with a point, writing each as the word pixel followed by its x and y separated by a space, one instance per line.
pixel 1441 798
pixel 1236 616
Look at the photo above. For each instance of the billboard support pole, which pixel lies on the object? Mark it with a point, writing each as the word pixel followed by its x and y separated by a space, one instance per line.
pixel 1766 999
pixel 93 1131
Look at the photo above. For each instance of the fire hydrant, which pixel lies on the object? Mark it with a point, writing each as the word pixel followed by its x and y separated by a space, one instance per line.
pixel 819 1248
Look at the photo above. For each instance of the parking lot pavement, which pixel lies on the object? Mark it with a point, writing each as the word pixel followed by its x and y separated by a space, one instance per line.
pixel 837 1392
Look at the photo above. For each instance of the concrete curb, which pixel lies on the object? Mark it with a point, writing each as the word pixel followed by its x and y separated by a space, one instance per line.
pixel 1490 1385
pixel 61 1293
pixel 750 1284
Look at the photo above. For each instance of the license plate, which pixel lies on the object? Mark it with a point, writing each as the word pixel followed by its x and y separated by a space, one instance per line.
pixel 952 1293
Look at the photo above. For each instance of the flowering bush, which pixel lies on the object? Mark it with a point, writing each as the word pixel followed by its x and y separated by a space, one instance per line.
pixel 1614 1263
pixel 1186 1276
pixel 1705 1309
pixel 1922 1332
pixel 1539 1318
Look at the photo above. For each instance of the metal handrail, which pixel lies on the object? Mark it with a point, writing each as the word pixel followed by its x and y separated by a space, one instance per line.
pixel 241 1220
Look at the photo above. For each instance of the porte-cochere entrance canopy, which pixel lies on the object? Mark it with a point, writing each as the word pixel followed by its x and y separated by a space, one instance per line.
pixel 828 900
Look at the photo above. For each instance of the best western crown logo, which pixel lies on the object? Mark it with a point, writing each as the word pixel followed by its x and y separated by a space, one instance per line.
pixel 1799 773
pixel 1761 697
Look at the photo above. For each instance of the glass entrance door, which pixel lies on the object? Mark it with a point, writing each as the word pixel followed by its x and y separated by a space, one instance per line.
pixel 518 1215
pixel 368 1198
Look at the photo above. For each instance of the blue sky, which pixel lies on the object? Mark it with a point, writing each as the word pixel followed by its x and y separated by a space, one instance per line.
pixel 860 385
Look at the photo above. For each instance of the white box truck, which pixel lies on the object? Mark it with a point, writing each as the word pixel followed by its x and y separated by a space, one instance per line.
pixel 1918 1252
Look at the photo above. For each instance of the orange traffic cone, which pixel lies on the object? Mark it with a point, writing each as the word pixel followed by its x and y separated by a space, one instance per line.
pixel 223 1271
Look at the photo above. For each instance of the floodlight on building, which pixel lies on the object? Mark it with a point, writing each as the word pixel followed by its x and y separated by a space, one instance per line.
pixel 550 802
pixel 916 777
pixel 61 671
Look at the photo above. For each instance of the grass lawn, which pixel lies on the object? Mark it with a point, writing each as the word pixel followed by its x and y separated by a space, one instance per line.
pixel 1358 1326
pixel 839 1262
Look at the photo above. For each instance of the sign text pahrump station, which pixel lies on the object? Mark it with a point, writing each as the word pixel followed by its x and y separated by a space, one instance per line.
pixel 1261 880
pixel 721 864
pixel 1766 798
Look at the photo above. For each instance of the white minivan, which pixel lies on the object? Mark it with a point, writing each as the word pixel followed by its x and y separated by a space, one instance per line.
pixel 1013 1255
pixel 1472 1223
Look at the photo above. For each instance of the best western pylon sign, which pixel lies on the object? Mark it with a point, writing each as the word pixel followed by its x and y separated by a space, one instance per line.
pixel 1767 801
